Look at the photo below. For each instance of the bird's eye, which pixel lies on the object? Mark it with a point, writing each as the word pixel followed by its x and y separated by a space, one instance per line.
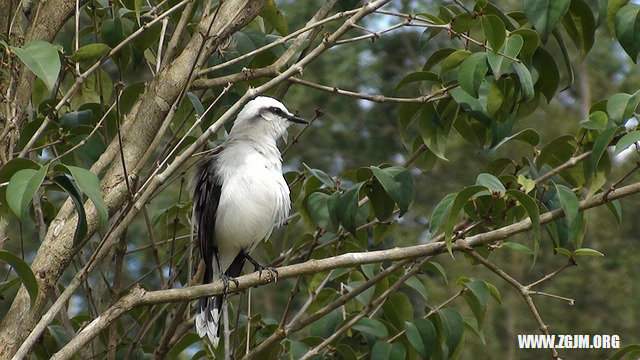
pixel 277 111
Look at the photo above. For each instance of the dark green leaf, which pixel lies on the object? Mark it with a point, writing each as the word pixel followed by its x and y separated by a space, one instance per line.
pixel 495 293
pixel 436 57
pixel 398 183
pixel 528 136
pixel 74 119
pixel 427 334
pixel 182 344
pixel 70 188
pixel 397 352
pixel 526 82
pixel 24 273
pixel 531 40
pixel 612 9
pixel 453 60
pixel 380 350
pixel 545 14
pixel 548 73
pixel 602 143
pixel 347 208
pixel 371 326
pixel 470 105
pixel 464 22
pixel 414 338
pixel 441 212
pixel 22 187
pixel 580 25
pixel 451 326
pixel 477 298
pixel 89 183
pixel 616 209
pixel 628 29
pixel 569 203
pixel 529 204
pixel 627 350
pixel 494 31
pixel 320 175
pixel 461 198
pixel 416 77
pixel 436 268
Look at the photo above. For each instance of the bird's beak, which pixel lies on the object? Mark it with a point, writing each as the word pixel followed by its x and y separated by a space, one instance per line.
pixel 297 120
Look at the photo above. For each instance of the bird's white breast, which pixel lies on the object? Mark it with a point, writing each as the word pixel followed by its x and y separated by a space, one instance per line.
pixel 254 199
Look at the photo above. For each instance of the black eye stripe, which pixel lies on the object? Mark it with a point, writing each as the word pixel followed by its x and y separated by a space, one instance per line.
pixel 277 111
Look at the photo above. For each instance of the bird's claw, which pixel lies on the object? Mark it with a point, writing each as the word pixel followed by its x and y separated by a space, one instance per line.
pixel 272 272
pixel 226 280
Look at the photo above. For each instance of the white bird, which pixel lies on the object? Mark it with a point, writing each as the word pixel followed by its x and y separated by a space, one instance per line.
pixel 239 196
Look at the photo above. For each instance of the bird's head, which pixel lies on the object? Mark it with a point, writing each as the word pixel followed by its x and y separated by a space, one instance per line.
pixel 264 116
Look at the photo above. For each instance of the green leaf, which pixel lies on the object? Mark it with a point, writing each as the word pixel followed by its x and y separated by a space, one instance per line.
pixel 628 140
pixel 526 82
pixel 495 293
pixel 494 31
pixel 529 205
pixel 616 209
pixel 548 73
pixel 602 143
pixel 6 285
pixel 347 207
pixel 464 22
pixel 42 59
pixel 272 14
pixel 320 175
pixel 197 105
pixel 437 57
pixel 417 285
pixel 580 25
pixel 436 268
pixel 545 14
pixel 612 9
pixel 627 350
pixel 471 72
pixel 453 60
pixel 416 77
pixel 22 187
pixel 414 338
pixel 398 183
pixel 74 119
pixel 531 40
pixel 441 212
pixel 477 299
pixel 182 344
pixel 491 182
pixel 70 188
pixel 518 247
pixel 397 310
pixel 371 326
pixel 628 29
pixel 586 252
pixel 470 105
pixel 137 6
pixel 90 52
pixel 24 273
pixel 461 198
pixel 597 121
pixel 380 350
pixel 89 183
pixel 427 334
pixel 451 326
pixel 499 62
pixel 621 106
pixel 397 352
pixel 569 203
pixel 565 56
pixel 527 136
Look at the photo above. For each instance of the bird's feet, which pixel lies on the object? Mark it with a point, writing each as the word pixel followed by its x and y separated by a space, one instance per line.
pixel 260 268
pixel 226 280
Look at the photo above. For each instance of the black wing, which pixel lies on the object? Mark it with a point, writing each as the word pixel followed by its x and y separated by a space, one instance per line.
pixel 206 190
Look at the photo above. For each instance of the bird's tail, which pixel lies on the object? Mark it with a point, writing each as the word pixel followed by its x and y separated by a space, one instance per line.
pixel 208 318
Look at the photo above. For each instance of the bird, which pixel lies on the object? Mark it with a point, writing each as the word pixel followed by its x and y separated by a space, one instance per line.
pixel 239 196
